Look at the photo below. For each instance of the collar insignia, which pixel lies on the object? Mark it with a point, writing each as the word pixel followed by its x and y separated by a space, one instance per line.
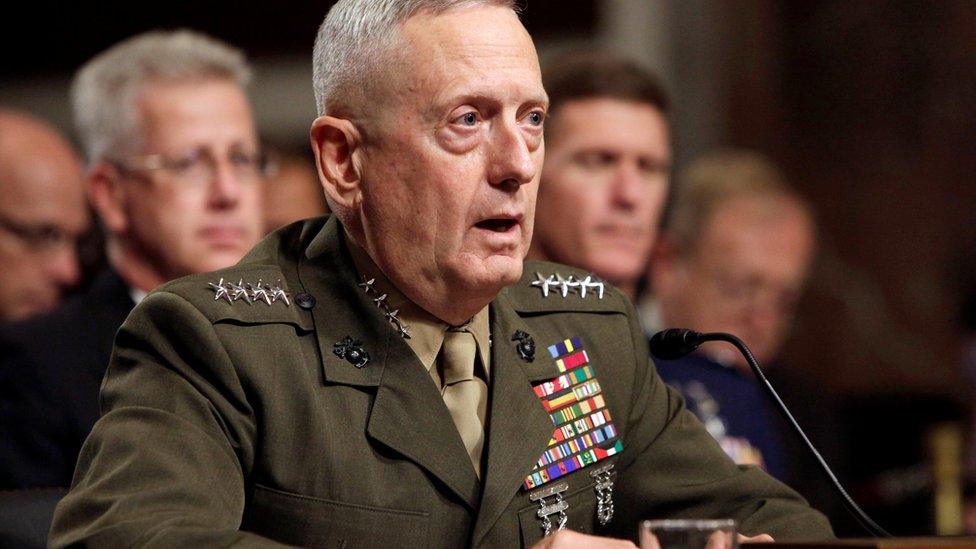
pixel 382 305
pixel 352 351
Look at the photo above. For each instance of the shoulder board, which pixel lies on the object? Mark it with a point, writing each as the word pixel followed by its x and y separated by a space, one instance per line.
pixel 551 287
pixel 247 293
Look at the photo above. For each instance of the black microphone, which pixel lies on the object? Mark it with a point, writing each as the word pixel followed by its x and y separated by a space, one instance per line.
pixel 677 342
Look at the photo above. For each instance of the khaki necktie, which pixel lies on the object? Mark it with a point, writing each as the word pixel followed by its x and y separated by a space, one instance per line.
pixel 465 394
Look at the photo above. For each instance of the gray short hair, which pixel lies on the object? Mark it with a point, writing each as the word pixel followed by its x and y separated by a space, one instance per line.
pixel 105 89
pixel 356 34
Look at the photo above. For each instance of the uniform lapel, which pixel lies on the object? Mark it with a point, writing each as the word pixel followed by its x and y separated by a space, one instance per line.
pixel 519 427
pixel 408 414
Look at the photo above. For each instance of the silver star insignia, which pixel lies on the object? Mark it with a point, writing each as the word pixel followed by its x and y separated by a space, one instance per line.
pixel 367 285
pixel 544 283
pixel 589 284
pixel 260 291
pixel 382 305
pixel 277 293
pixel 220 291
pixel 240 292
pixel 565 284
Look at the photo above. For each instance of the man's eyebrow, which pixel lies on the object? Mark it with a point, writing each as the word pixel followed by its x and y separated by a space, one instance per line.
pixel 487 96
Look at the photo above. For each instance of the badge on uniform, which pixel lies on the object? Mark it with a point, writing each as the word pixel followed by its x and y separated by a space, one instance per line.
pixel 249 292
pixel 555 284
pixel 584 431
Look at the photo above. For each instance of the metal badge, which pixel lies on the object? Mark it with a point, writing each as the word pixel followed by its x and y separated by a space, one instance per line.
pixel 352 351
pixel 525 346
pixel 380 301
pixel 562 287
pixel 551 502
pixel 604 492
pixel 248 292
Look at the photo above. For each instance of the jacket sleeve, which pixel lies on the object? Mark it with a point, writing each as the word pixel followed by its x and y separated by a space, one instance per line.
pixel 672 468
pixel 166 463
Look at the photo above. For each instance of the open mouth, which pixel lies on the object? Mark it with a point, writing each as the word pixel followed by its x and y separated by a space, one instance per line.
pixel 497 225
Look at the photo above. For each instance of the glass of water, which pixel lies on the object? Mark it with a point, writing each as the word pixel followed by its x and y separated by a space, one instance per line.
pixel 689 534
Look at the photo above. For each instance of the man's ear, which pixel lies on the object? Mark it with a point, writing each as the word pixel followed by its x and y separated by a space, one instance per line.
pixel 106 195
pixel 335 142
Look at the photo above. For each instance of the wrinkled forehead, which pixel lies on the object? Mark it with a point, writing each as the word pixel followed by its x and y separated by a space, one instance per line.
pixel 483 40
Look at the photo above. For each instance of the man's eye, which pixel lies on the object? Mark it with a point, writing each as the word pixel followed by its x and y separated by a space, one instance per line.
pixel 536 118
pixel 185 163
pixel 468 119
pixel 596 159
pixel 241 158
pixel 651 167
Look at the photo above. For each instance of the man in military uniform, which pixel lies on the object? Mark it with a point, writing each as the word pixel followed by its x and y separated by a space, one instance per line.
pixel 386 376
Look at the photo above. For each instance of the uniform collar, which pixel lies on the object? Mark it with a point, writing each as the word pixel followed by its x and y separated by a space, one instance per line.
pixel 426 331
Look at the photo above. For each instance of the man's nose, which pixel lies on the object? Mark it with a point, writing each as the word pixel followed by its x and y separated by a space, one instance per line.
pixel 510 160
pixel 64 267
pixel 225 186
pixel 628 185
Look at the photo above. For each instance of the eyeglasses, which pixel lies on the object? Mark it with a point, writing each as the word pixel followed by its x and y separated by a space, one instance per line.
pixel 38 238
pixel 200 166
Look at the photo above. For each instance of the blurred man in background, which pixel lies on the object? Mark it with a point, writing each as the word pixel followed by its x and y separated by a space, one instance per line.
pixel 43 214
pixel 175 178
pixel 734 257
pixel 605 178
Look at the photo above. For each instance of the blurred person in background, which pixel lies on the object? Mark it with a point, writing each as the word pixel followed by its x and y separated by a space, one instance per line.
pixel 734 256
pixel 292 192
pixel 43 215
pixel 605 178
pixel 175 174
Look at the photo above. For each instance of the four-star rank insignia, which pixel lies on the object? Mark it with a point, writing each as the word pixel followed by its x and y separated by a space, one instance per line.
pixel 555 284
pixel 584 431
pixel 249 293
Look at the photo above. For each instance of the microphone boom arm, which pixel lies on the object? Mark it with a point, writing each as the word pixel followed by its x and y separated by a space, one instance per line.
pixel 853 507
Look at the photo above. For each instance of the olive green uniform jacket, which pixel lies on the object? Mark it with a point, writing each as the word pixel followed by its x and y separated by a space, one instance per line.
pixel 228 423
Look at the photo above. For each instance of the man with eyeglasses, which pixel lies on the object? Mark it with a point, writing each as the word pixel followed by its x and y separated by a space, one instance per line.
pixel 175 176
pixel 734 257
pixel 43 215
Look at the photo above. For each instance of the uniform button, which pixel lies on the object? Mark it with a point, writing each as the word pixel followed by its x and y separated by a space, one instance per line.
pixel 305 301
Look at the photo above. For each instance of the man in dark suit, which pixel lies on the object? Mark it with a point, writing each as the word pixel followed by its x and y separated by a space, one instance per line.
pixel 174 175
pixel 43 216
pixel 734 257
pixel 392 375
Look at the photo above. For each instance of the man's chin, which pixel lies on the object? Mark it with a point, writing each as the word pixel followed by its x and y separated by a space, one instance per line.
pixel 492 273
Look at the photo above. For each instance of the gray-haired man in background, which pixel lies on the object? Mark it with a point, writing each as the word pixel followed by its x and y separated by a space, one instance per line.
pixel 174 175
